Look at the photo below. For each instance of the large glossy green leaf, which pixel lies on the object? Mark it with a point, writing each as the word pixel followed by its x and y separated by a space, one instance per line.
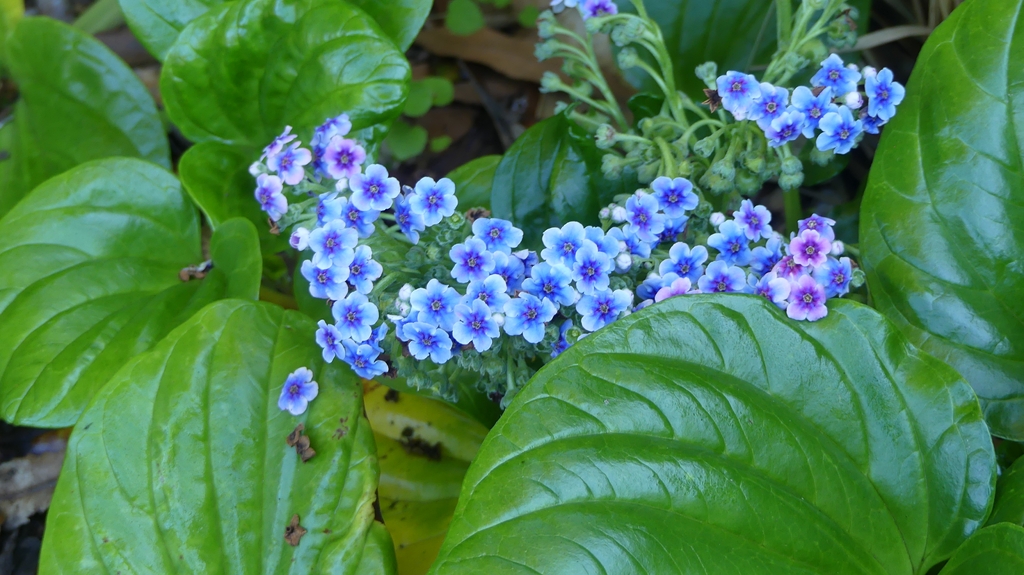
pixel 733 33
pixel 401 20
pixel 551 175
pixel 157 23
pixel 1009 503
pixel 217 178
pixel 77 102
pixel 91 263
pixel 180 464
pixel 711 434
pixel 995 550
pixel 473 181
pixel 424 447
pixel 241 72
pixel 941 233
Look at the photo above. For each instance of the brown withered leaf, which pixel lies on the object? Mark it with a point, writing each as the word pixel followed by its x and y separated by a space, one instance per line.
pixel 294 436
pixel 714 100
pixel 303 449
pixel 294 532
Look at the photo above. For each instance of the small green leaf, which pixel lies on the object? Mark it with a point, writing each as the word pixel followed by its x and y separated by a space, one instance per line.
pixel 1009 503
pixel 241 72
pixel 217 178
pixel 995 550
pixel 473 181
pixel 712 434
pixel 180 464
pixel 442 90
pixel 401 20
pixel 406 141
pixel 464 17
pixel 419 101
pixel 528 17
pixel 440 144
pixel 77 102
pixel 941 234
pixel 91 263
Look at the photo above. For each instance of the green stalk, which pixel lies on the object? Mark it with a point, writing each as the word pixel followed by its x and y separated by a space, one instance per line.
pixel 784 20
pixel 668 161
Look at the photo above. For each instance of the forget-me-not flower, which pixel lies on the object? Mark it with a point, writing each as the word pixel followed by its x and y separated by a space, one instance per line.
pixel 289 163
pixel 884 94
pixel 435 304
pixel 433 200
pixel 806 300
pixel 675 196
pixel 603 307
pixel 473 323
pixel 720 277
pixel 738 92
pixel 299 389
pixel 835 276
pixel 325 283
pixel 591 269
pixel 359 220
pixel 354 317
pixel 763 258
pixel 363 270
pixel 328 208
pixel 820 224
pixel 492 291
pixel 643 218
pixel 732 244
pixel 770 287
pixel 472 261
pixel 839 131
pixel 274 148
pixel 772 103
pixel 332 244
pixel 834 74
pixel 561 243
pixel 343 158
pixel 812 107
pixel 362 358
pixel 679 286
pixel 426 340
pixel 499 235
pixel 374 189
pixel 409 221
pixel 551 281
pixel 684 262
pixel 785 128
pixel 268 194
pixel 810 249
pixel 328 337
pixel 755 221
pixel 511 269
pixel 528 315
pixel 595 8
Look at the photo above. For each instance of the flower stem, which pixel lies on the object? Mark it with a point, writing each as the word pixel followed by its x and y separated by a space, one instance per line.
pixel 794 211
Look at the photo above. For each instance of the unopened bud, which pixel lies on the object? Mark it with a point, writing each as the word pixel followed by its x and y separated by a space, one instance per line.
pixel 498 319
pixel 299 239
pixel 342 185
pixel 792 165
pixel 838 248
pixel 550 82
pixel 628 58
pixel 604 214
pixel 623 262
pixel 403 308
pixel 618 214
pixel 257 168
pixel 405 292
pixel 546 24
pixel 717 219
pixel 605 137
pixel 869 71
pixel 708 73
pixel 854 100
pixel 545 50
pixel 790 182
pixel 704 148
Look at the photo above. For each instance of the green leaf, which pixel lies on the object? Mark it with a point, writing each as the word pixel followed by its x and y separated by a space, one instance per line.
pixel 180 463
pixel 77 102
pixel 91 263
pixel 241 72
pixel 406 141
pixel 217 178
pixel 698 31
pixel 528 17
pixel 401 20
pixel 157 23
pixel 473 181
pixel 1009 502
pixel 995 550
pixel 424 447
pixel 551 175
pixel 464 17
pixel 941 233
pixel 711 434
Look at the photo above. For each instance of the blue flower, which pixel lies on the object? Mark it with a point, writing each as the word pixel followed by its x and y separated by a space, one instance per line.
pixel 642 217
pixel 603 242
pixel 330 340
pixel 634 245
pixel 561 243
pixel 434 200
pixel 428 340
pixel 764 258
pixel 677 287
pixel 595 8
pixel 343 158
pixel 268 194
pixel 872 125
pixel 591 269
pixel 511 269
pixel 754 220
pixel 810 249
pixel 786 128
pixel 401 322
pixel 654 282
pixel 473 323
pixel 738 92
pixel 289 164
pixel 376 340
pixel 883 94
pixel 472 261
pixel 492 291
pixel 839 131
pixel 498 235
pixel 772 104
pixel 673 227
pixel 374 189
pixel 551 282
pixel 332 244
pixel 528 315
pixel 362 358
pixel 731 242
pixel 820 224
pixel 299 239
pixel 359 220
pixel 812 107
pixel 720 277
pixel 835 275
pixel 684 262
pixel 326 283
pixel 299 389
pixel 363 270
pixel 806 300
pixel 275 147
pixel 435 304
pixel 328 208
pixel 833 74
pixel 675 196
pixel 770 287
pixel 603 307
pixel 562 344
pixel 336 126
pixel 354 317
pixel 788 269
pixel 410 222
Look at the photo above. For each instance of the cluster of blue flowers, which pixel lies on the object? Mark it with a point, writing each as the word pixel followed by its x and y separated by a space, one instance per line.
pixel 588 8
pixel 463 293
pixel 834 107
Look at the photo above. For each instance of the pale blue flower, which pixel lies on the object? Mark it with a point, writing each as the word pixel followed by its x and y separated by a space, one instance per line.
pixel 685 262
pixel 289 164
pixel 732 244
pixel 770 287
pixel 720 277
pixel 835 276
pixel 363 270
pixel 426 340
pixel 755 221
pixel 785 128
pixel 374 189
pixel 834 74
pixel 473 323
pixel 591 269
pixel 551 282
pixel 603 307
pixel 498 235
pixel 643 217
pixel 561 243
pixel 343 158
pixel 435 304
pixel 332 245
pixel 675 196
pixel 738 92
pixel 492 291
pixel 359 220
pixel 328 338
pixel 299 389
pixel 764 258
pixel 812 107
pixel 325 283
pixel 511 269
pixel 839 131
pixel 409 222
pixel 362 358
pixel 771 105
pixel 528 315
pixel 434 200
pixel 883 94
pixel 268 194
pixel 806 300
pixel 354 317
pixel 472 261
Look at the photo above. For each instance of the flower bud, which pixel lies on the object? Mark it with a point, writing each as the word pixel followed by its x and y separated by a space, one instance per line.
pixel 403 308
pixel 546 24
pixel 628 33
pixel 405 292
pixel 725 169
pixel 342 185
pixel 299 239
pixel 545 50
pixel 623 262
pixel 708 73
pixel 704 148
pixel 604 214
pixel 838 248
pixel 853 100
pixel 747 182
pixel 858 278
pixel 717 219
pixel 792 165
pixel 605 137
pixel 820 157
pixel 550 82
pixel 618 214
pixel 790 182
pixel 498 319
pixel 628 58
pixel 611 166
pixel 257 168
pixel 869 72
